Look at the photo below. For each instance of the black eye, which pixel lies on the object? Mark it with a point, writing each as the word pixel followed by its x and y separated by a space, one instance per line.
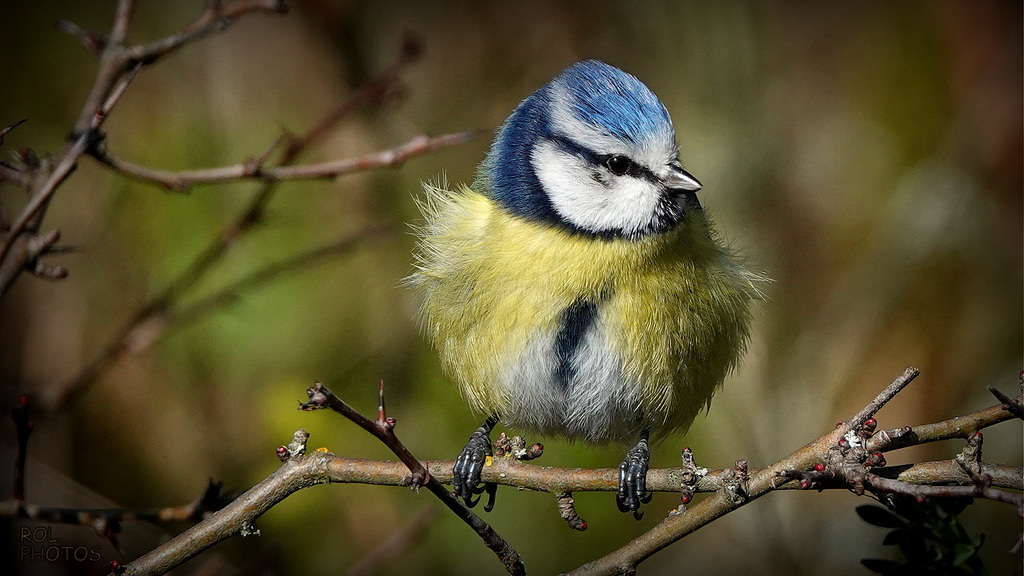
pixel 618 164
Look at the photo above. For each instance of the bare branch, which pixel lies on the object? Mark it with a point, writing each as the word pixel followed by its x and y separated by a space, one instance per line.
pixel 512 473
pixel 883 398
pixel 758 483
pixel 122 20
pixel 185 180
pixel 959 427
pixel 382 88
pixel 860 479
pixel 216 17
pixel 152 317
pixel 117 66
pixel 314 257
pixel 91 41
pixel 5 131
pixel 297 471
pixel 106 522
pixel 9 173
pixel 950 472
pixel 383 428
pixel 1014 405
pixel 848 465
pixel 32 213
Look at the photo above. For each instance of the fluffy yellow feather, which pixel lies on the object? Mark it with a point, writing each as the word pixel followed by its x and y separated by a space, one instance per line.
pixel 674 308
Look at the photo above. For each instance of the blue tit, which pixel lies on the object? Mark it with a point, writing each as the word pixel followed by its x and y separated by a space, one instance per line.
pixel 577 288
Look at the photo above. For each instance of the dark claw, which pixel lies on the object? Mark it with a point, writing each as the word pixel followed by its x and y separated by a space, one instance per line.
pixel 469 464
pixel 492 491
pixel 633 479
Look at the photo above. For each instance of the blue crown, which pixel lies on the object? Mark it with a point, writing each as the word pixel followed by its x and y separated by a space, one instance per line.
pixel 611 100
pixel 601 96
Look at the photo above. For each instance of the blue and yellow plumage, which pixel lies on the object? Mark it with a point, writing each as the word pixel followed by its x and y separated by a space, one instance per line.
pixel 577 288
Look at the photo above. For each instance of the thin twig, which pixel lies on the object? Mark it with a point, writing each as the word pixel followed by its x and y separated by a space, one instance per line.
pixel 1014 405
pixel 384 87
pixel 383 428
pixel 106 520
pixel 216 17
pixel 185 180
pixel 381 89
pixel 23 428
pixel 625 559
pixel 9 173
pixel 116 67
pixel 40 198
pixel 958 427
pixel 6 130
pixel 297 471
pixel 883 397
pixel 21 175
pixel 262 276
pixel 860 479
pixel 91 41
pixel 377 91
pixel 145 330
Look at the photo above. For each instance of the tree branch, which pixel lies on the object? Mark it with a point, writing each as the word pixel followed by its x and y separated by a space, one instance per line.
pixel 1014 405
pixel 182 181
pixel 149 320
pixel 836 460
pixel 144 334
pixel 31 216
pixel 383 428
pixel 959 427
pixel 515 474
pixel 216 17
pixel 297 471
pixel 117 65
pixel 20 175
pixel 152 321
pixel 106 521
pixel 746 489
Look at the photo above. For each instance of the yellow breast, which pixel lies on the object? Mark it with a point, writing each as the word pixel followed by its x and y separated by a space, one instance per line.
pixel 673 317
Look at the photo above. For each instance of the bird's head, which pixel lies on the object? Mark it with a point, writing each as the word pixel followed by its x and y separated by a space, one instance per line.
pixel 593 151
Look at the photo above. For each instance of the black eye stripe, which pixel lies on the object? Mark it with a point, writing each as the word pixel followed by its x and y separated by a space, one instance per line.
pixel 634 169
pixel 575 149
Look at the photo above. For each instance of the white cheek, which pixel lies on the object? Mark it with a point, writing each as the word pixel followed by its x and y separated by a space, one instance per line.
pixel 625 204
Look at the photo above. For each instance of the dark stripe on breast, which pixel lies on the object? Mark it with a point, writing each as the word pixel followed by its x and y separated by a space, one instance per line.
pixel 572 326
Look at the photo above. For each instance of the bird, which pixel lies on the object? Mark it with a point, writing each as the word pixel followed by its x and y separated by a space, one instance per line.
pixel 576 287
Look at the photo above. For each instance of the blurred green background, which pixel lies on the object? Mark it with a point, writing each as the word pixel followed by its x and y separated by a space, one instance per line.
pixel 866 156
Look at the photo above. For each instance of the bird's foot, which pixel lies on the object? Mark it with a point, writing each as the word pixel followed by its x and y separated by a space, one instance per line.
pixel 633 479
pixel 469 464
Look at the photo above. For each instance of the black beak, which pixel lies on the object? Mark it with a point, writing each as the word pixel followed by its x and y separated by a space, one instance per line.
pixel 675 178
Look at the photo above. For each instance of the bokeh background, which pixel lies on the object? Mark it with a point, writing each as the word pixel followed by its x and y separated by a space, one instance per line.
pixel 866 156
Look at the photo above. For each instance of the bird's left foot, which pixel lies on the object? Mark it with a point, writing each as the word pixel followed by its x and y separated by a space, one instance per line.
pixel 469 464
pixel 633 479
